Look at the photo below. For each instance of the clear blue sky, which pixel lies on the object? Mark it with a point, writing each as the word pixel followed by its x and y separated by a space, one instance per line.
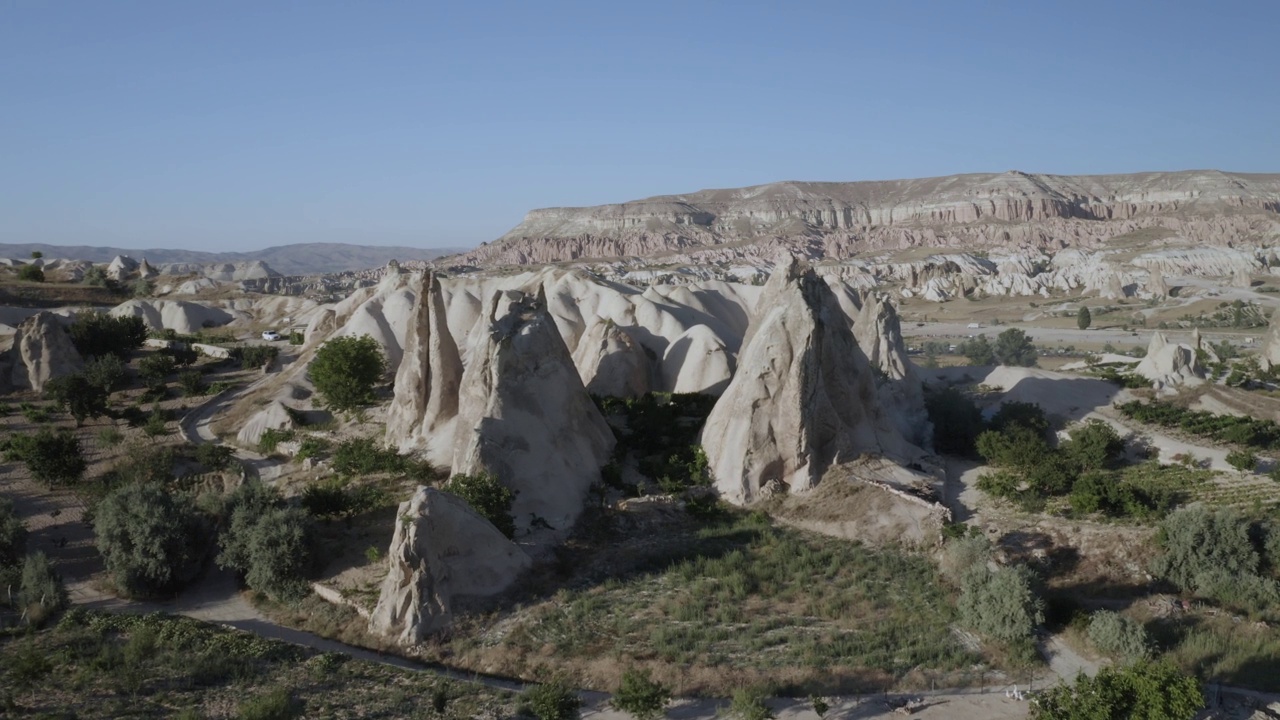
pixel 235 125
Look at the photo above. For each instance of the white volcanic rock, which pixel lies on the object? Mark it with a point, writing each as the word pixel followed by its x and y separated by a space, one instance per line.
pixel 1167 364
pixel 803 397
pixel 697 362
pixel 1203 261
pixel 1270 355
pixel 42 350
pixel 441 550
pixel 274 416
pixel 1156 285
pixel 145 270
pixel 612 363
pixel 383 312
pixel 525 417
pixel 878 332
pixel 178 315
pixel 121 268
pixel 222 272
pixel 427 381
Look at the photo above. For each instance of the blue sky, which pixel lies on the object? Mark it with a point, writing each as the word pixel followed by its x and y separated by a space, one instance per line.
pixel 238 125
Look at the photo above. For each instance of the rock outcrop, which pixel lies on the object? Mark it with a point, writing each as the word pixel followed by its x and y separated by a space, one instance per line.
pixel 274 416
pixel 177 315
pixel 441 550
pixel 613 363
pixel 42 350
pixel 427 381
pixel 803 397
pixel 1168 364
pixel 1157 286
pixel 1270 355
pixel 878 332
pixel 525 417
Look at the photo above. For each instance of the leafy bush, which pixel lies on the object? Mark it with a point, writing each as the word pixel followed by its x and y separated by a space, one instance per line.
pixel 1013 347
pixel 109 437
pixel 749 704
pixel 962 555
pixel 1024 414
pixel 1000 604
pixel 296 338
pixel 52 457
pixel 144 463
pixel 96 334
pixel 157 423
pixel 155 368
pixel 1210 552
pixel 255 356
pixel 192 382
pixel 1016 446
pixel 271 438
pixel 214 457
pixel 978 351
pixel 75 394
pixel 640 696
pixel 41 592
pixel 1094 445
pixel 31 273
pixel 275 704
pixel 488 497
pixel 1242 460
pixel 270 544
pixel 957 422
pixel 345 371
pixel 552 701
pixel 1155 691
pixel 1119 636
pixel 1247 431
pixel 310 447
pixel 106 372
pixel 364 456
pixel 335 499
pixel 149 538
pixel 13 534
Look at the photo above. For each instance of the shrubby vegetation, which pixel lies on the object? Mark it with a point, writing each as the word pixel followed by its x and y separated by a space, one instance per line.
pixel 1119 636
pixel 53 457
pixel 641 696
pixel 1012 347
pixel 957 421
pixel 365 456
pixel 105 372
pixel 31 273
pixel 488 497
pixel 659 431
pixel 1211 553
pixel 150 538
pixel 1246 431
pixel 78 396
pixel 269 543
pixel 345 371
pixel 554 700
pixel 1154 691
pixel 96 334
pixel 255 356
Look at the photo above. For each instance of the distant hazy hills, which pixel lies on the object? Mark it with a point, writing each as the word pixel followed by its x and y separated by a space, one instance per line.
pixel 301 259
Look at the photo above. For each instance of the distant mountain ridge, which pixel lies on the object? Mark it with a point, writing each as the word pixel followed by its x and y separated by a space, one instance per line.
pixel 840 219
pixel 299 259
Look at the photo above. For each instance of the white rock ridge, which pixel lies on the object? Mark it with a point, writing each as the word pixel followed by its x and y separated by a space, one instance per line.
pixel 427 381
pixel 441 550
pixel 1168 364
pixel 525 417
pixel 803 398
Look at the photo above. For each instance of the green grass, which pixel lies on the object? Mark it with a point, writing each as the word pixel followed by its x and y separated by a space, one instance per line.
pixel 1218 649
pixel 98 665
pixel 739 595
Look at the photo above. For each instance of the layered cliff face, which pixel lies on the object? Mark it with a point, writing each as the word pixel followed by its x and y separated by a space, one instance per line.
pixel 525 417
pixel 441 550
pixel 838 219
pixel 803 397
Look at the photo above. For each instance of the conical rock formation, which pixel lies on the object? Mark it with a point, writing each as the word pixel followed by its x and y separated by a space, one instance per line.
pixel 1168 364
pixel 525 417
pixel 1270 355
pixel 427 381
pixel 878 332
pixel 803 397
pixel 612 363
pixel 41 351
pixel 1156 285
pixel 441 550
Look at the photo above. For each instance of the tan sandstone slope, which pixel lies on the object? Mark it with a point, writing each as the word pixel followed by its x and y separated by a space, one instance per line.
pixel 524 415
pixel 803 397
pixel 441 550
pixel 41 351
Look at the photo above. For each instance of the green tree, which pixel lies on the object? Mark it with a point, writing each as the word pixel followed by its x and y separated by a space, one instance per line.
pixel 36 254
pixel 1016 447
pixel 979 351
pixel 95 334
pixel 346 369
pixel 53 457
pixel 106 372
pixel 749 704
pixel 31 273
pixel 1094 445
pixel 13 534
pixel 79 397
pixel 155 368
pixel 1025 414
pixel 149 538
pixel 641 696
pixel 1083 318
pixel 1198 541
pixel 554 700
pixel 271 545
pixel 96 277
pixel 1000 604
pixel 488 497
pixel 1013 347
pixel 1151 691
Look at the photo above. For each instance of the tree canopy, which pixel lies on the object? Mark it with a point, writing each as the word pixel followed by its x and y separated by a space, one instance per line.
pixel 346 369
